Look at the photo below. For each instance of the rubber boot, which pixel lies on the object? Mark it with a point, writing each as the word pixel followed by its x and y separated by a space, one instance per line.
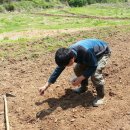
pixel 99 100
pixel 100 91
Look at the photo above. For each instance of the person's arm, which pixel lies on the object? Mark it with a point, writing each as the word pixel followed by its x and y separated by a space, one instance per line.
pixel 77 81
pixel 91 61
pixel 52 79
pixel 56 73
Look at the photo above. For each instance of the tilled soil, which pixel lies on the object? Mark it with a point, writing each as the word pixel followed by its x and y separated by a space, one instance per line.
pixel 60 108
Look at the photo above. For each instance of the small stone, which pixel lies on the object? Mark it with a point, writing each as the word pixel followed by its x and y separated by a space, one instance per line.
pixel 72 120
pixel 121 129
pixel 128 113
pixel 83 116
pixel 1 113
pixel 59 109
pixel 55 120
pixel 57 86
pixel 112 94
pixel 74 116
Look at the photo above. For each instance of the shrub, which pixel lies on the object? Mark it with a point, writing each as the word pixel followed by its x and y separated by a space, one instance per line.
pixel 77 3
pixel 9 7
pixel 25 5
pixel 47 5
pixel 44 3
pixel 91 2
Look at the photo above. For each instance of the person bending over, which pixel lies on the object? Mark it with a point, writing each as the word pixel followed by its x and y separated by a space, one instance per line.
pixel 91 56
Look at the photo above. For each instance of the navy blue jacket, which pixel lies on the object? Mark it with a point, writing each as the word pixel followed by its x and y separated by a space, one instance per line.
pixel 87 52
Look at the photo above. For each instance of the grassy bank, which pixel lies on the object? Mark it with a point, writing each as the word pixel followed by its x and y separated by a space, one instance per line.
pixel 23 49
pixel 28 5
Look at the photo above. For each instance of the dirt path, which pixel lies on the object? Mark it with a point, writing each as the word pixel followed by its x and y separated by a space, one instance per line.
pixel 73 15
pixel 60 108
pixel 38 33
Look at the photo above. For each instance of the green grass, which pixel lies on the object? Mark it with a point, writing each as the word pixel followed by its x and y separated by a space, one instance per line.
pixel 24 21
pixel 96 10
pixel 19 22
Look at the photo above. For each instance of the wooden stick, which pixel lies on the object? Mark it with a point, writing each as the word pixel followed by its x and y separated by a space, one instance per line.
pixel 6 113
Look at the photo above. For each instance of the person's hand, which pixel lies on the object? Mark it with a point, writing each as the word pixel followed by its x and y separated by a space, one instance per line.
pixel 43 89
pixel 77 81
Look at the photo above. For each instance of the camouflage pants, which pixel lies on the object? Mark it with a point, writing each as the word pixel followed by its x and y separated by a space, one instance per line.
pixel 97 77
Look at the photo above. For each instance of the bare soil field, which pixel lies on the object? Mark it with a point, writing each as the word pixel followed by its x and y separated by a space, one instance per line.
pixel 59 108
